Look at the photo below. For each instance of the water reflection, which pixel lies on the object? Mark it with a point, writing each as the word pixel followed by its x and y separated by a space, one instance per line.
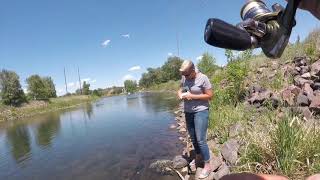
pixel 48 129
pixel 89 110
pixel 19 140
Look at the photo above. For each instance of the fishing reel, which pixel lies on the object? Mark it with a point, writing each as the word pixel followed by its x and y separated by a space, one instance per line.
pixel 260 27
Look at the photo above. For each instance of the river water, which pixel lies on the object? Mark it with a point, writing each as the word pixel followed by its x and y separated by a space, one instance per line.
pixel 113 138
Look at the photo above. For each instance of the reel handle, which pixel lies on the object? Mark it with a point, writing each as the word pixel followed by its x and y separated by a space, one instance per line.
pixel 223 35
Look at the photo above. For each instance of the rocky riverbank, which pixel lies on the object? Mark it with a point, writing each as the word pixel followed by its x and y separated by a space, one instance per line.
pixel 222 155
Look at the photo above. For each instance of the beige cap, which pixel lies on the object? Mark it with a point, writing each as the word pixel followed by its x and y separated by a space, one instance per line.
pixel 186 66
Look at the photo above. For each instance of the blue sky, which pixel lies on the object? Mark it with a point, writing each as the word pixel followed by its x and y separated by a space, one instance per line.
pixel 105 38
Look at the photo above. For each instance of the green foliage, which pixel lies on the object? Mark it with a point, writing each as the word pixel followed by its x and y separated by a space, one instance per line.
pixel 169 71
pixel 130 86
pixel 10 88
pixel 207 64
pixel 286 139
pixel 96 93
pixel 41 88
pixel 229 54
pixel 85 88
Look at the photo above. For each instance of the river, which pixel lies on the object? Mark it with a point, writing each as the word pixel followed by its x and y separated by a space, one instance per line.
pixel 113 138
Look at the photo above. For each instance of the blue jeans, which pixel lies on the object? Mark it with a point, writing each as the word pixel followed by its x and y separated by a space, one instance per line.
pixel 197 125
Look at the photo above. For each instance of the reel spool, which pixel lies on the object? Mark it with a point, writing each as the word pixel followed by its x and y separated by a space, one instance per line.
pixel 258 10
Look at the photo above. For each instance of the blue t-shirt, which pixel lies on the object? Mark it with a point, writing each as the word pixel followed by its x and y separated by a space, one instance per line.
pixel 196 86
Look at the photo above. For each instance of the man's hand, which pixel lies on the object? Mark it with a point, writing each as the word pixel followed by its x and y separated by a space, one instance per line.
pixel 312 6
pixel 187 96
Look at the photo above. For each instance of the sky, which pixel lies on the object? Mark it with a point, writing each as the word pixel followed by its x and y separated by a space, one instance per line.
pixel 111 40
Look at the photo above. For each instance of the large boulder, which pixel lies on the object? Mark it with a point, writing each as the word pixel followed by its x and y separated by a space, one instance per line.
pixel 230 150
pixel 315 104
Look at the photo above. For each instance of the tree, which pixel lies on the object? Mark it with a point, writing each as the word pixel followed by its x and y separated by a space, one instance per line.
pixel 130 86
pixel 247 54
pixel 10 88
pixel 170 69
pixel 97 92
pixel 230 56
pixel 207 64
pixel 86 88
pixel 49 87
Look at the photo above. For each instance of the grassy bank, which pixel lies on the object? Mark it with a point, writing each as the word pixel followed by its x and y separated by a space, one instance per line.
pixel 274 140
pixel 172 86
pixel 37 107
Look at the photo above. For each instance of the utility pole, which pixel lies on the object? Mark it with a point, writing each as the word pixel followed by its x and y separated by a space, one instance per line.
pixel 65 80
pixel 79 81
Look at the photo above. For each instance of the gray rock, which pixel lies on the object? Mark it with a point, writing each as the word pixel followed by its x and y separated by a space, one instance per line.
pixel 306 76
pixel 315 104
pixel 308 91
pixel 179 162
pixel 222 171
pixel 229 151
pixel 315 69
pixel 304 69
pixel 298 69
pixel 302 100
pixel 299 81
pixel 288 96
pixel 316 86
pixel 300 61
pixel 215 161
pixel 182 130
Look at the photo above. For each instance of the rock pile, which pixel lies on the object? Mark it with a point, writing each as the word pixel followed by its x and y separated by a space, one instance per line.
pixel 303 94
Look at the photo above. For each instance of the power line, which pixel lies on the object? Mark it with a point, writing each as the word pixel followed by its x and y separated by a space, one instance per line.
pixel 65 80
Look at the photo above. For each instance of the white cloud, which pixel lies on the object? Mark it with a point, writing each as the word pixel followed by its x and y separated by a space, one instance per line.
pixel 126 35
pixel 170 54
pixel 105 43
pixel 199 58
pixel 128 77
pixel 135 68
pixel 94 81
pixel 71 84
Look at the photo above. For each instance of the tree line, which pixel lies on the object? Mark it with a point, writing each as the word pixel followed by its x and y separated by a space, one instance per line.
pixel 169 71
pixel 38 88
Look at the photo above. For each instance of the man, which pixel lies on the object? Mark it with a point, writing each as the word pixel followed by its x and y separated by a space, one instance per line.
pixel 313 6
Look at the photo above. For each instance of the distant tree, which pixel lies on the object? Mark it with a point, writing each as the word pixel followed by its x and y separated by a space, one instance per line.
pixel 10 88
pixel 207 64
pixel 229 54
pixel 170 69
pixel 86 88
pixel 41 88
pixel 96 92
pixel 130 86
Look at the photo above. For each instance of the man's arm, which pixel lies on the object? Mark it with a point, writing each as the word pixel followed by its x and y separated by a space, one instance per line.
pixel 207 95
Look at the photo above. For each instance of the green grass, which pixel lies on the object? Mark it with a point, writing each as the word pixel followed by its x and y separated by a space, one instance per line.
pixel 168 86
pixel 38 107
